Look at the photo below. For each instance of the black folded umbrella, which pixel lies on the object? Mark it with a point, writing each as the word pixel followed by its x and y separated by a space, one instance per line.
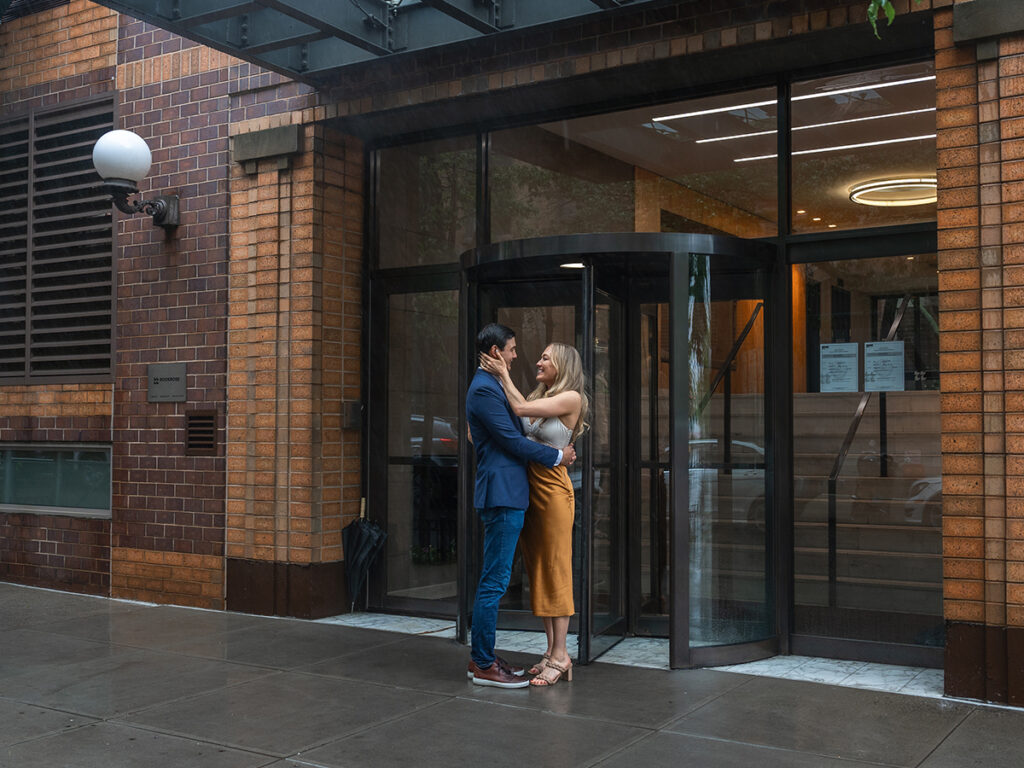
pixel 363 540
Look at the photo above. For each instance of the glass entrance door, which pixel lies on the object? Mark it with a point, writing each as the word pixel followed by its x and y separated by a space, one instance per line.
pixel 674 520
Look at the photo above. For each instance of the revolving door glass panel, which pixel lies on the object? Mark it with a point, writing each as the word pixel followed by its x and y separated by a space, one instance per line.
pixel 730 590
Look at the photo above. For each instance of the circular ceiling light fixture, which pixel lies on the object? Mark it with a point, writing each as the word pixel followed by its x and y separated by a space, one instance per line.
pixel 895 193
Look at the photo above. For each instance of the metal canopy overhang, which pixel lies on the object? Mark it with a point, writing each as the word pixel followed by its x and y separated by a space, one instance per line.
pixel 312 40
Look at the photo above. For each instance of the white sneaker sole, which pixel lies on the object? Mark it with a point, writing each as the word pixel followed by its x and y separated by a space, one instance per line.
pixel 496 684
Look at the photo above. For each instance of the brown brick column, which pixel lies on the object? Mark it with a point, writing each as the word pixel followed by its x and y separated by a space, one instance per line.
pixel 293 355
pixel 981 283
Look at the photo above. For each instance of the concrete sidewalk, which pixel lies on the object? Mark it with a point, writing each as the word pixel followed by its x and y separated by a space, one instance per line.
pixel 93 683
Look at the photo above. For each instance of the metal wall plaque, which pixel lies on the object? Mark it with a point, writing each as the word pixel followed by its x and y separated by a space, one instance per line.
pixel 166 382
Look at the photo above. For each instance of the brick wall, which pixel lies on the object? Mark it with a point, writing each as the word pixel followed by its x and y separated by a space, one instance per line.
pixel 56 47
pixel 294 349
pixel 52 58
pixel 168 523
pixel 981 282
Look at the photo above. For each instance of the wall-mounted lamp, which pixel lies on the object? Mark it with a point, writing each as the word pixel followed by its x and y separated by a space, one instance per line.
pixel 122 160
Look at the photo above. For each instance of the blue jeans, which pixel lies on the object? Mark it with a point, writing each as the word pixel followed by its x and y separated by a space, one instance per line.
pixel 501 533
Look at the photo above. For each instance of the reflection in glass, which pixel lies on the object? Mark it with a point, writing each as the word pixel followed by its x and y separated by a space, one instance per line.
pixel 545 184
pixel 655 460
pixel 423 445
pixel 729 600
pixel 867 502
pixel 862 127
pixel 670 168
pixel 426 202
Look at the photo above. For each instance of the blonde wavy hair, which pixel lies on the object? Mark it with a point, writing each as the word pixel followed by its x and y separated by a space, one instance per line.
pixel 568 376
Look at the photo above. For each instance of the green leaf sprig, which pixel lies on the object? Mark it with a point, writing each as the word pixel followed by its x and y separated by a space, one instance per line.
pixel 876 7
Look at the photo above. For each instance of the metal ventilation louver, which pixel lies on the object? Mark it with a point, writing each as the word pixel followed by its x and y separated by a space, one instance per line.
pixel 201 433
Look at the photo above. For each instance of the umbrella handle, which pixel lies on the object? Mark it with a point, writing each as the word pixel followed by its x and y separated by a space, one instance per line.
pixel 362 508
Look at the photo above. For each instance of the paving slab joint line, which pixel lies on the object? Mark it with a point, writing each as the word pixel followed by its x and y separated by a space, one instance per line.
pixel 51 734
pixel 275 756
pixel 569 715
pixel 967 716
pixel 271 672
pixel 618 750
pixel 443 699
pixel 307 763
pixel 788 750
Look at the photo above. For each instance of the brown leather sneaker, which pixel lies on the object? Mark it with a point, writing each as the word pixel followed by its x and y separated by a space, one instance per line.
pixel 515 670
pixel 510 668
pixel 496 676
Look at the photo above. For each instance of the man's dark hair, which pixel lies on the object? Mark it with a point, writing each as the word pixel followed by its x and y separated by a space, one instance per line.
pixel 493 335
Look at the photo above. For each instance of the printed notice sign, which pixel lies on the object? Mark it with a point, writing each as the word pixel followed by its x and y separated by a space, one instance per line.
pixel 839 367
pixel 883 366
pixel 166 382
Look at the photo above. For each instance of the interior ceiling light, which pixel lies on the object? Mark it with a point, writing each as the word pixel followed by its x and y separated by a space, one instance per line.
pixel 816 125
pixel 840 147
pixel 751 105
pixel 894 193
pixel 572 265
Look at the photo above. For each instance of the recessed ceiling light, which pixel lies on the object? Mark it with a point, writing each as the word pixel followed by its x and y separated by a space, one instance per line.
pixel 752 104
pixel 817 125
pixel 816 218
pixel 895 193
pixel 832 226
pixel 841 147
pixel 801 212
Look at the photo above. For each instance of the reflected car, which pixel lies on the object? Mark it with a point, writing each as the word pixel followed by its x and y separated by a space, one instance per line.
pixel 748 480
pixel 444 440
pixel 924 502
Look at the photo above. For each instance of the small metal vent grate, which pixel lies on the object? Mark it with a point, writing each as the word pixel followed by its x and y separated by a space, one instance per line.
pixel 201 433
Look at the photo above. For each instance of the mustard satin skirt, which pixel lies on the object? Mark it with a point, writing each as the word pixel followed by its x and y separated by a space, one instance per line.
pixel 546 540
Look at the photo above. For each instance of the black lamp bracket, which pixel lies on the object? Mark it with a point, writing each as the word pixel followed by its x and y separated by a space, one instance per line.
pixel 163 208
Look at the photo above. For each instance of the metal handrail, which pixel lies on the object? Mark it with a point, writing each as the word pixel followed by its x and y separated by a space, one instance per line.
pixel 723 369
pixel 837 467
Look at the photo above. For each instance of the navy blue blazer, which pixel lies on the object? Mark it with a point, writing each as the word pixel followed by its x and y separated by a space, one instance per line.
pixel 502 450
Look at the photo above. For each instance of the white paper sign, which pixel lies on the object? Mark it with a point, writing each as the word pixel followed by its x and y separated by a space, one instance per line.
pixel 883 366
pixel 839 367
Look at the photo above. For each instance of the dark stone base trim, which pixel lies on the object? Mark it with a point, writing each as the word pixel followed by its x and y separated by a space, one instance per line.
pixel 985 663
pixel 286 589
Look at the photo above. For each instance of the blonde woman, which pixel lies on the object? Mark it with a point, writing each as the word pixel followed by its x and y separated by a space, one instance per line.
pixel 554 414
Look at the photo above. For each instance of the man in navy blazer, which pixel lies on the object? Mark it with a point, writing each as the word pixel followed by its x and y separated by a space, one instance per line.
pixel 501 496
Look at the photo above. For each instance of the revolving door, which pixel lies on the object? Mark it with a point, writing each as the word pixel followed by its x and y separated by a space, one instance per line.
pixel 674 521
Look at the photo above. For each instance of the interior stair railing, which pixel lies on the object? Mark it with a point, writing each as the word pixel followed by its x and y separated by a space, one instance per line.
pixel 837 467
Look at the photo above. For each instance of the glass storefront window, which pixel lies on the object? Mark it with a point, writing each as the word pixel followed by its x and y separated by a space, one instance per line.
pixel 63 480
pixel 423 445
pixel 426 202
pixel 864 149
pixel 867 491
pixel 543 183
pixel 671 168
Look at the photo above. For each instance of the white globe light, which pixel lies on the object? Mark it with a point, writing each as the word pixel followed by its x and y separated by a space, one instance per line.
pixel 122 155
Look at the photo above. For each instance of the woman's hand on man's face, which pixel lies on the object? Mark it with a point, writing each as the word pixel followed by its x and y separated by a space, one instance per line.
pixel 493 365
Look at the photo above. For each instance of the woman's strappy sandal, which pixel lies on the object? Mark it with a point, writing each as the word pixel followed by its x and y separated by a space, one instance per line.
pixel 563 671
pixel 537 668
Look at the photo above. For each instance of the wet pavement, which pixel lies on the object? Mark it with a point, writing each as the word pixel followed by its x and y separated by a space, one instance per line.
pixel 93 683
